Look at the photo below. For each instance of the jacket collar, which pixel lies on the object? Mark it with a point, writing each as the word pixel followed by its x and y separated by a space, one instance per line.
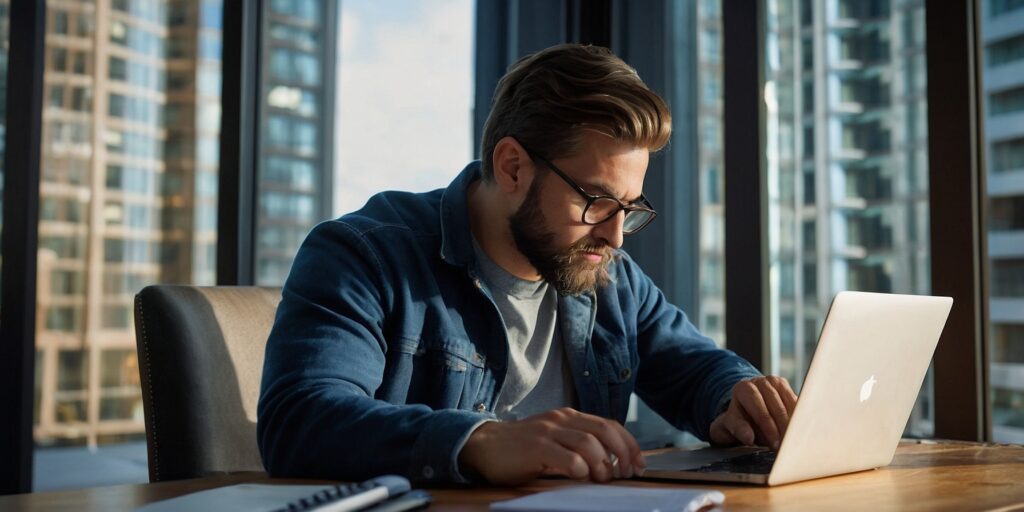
pixel 456 237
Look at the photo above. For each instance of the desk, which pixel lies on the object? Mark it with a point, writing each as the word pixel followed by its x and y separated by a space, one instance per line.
pixel 924 476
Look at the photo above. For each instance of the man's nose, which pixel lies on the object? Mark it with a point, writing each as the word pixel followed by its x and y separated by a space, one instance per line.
pixel 610 231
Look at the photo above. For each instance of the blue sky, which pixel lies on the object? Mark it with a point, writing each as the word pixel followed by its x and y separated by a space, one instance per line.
pixel 405 96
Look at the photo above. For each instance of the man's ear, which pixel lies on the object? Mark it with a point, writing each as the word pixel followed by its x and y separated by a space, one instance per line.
pixel 513 169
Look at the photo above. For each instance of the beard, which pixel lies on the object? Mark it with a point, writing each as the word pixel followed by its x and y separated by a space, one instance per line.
pixel 568 270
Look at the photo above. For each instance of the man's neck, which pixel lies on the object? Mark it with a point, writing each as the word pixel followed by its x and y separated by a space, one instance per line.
pixel 488 222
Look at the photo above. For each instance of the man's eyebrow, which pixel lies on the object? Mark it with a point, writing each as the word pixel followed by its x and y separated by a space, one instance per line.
pixel 602 191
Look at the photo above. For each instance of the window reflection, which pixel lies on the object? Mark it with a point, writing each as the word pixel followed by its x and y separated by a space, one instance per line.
pixel 127 197
pixel 1002 34
pixel 297 126
pixel 847 164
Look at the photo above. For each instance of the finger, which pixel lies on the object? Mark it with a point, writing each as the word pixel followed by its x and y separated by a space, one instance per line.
pixel 786 392
pixel 636 457
pixel 720 434
pixel 611 435
pixel 556 459
pixel 589 448
pixel 749 396
pixel 738 426
pixel 775 406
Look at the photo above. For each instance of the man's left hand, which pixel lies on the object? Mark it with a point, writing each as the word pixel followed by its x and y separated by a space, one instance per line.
pixel 758 413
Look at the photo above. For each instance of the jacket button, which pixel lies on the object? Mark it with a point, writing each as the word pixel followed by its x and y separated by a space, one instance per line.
pixel 586 373
pixel 480 407
pixel 625 373
pixel 428 472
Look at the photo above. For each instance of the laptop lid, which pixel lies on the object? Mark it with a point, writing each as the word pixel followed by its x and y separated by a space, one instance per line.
pixel 871 359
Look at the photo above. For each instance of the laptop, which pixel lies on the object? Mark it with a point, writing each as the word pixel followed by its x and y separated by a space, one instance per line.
pixel 871 359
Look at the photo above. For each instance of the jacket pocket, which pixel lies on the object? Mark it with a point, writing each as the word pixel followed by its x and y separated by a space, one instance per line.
pixel 442 374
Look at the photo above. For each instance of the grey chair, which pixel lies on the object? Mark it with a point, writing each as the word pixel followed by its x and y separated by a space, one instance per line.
pixel 200 361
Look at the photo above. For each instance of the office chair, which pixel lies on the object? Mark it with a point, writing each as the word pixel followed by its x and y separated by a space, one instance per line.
pixel 200 362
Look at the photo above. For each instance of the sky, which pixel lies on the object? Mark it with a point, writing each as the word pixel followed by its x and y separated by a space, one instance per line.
pixel 404 98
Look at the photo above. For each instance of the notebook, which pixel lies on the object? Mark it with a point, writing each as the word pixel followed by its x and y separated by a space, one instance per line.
pixel 388 493
pixel 869 364
pixel 613 498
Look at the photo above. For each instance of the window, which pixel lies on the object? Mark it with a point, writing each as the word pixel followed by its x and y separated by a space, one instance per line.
pixel 844 174
pixel 1006 102
pixel 1004 52
pixel 343 121
pixel 1007 155
pixel 137 192
pixel 1000 7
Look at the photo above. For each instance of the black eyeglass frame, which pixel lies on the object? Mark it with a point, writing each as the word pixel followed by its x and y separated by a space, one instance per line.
pixel 644 206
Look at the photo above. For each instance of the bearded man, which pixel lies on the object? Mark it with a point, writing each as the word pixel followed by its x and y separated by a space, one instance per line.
pixel 493 331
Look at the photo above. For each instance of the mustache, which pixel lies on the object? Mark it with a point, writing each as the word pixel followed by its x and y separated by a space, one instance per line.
pixel 584 245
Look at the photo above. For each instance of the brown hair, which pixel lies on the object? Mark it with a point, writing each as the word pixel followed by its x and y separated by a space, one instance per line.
pixel 547 99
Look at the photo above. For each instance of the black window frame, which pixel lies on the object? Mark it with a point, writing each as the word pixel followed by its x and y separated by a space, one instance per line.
pixel 502 35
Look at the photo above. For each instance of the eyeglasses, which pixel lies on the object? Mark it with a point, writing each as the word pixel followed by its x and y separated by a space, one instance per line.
pixel 602 208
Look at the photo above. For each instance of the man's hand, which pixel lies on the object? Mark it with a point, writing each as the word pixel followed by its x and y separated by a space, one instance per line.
pixel 558 442
pixel 758 414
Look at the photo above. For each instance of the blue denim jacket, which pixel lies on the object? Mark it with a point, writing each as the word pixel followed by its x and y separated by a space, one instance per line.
pixel 387 349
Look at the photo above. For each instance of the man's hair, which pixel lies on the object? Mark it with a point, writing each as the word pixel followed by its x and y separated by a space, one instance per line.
pixel 547 100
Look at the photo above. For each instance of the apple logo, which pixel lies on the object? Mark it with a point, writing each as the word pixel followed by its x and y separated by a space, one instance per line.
pixel 865 389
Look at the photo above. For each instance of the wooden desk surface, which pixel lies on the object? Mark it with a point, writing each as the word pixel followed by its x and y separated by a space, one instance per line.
pixel 924 476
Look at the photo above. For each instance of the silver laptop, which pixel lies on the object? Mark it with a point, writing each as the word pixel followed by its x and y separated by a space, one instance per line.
pixel 871 360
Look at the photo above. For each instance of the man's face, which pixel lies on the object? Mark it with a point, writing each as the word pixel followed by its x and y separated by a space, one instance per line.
pixel 548 227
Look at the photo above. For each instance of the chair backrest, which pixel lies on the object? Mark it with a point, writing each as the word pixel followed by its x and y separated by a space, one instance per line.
pixel 200 362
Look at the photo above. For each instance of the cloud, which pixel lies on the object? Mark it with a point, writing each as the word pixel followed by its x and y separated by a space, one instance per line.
pixel 405 95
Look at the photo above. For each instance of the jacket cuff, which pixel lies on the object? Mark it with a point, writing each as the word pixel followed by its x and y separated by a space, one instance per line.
pixel 467 477
pixel 435 454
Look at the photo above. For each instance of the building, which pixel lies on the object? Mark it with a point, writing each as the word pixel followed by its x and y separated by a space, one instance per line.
pixel 130 156
pixel 847 164
pixel 1002 34
pixel 296 161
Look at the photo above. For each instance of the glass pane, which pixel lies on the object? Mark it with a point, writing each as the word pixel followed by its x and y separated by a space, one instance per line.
pixel 708 84
pixel 1002 34
pixel 4 33
pixel 128 198
pixel 393 111
pixel 847 165
pixel 697 109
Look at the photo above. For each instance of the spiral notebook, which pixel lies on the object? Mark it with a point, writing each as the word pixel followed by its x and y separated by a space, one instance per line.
pixel 389 493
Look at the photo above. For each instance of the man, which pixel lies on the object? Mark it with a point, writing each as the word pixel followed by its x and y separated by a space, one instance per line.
pixel 493 330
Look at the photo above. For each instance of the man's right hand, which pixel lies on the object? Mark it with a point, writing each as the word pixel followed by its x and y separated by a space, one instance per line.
pixel 558 442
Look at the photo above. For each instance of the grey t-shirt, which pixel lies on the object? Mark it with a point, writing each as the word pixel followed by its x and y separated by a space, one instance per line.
pixel 538 377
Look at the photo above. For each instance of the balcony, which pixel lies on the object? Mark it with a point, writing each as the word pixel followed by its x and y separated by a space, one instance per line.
pixel 1006 310
pixel 1004 76
pixel 1006 183
pixel 1005 126
pixel 1007 376
pixel 1006 244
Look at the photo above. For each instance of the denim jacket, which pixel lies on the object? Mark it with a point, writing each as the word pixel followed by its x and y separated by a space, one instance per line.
pixel 387 349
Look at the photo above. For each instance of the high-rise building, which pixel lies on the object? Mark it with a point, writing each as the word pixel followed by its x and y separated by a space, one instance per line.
pixel 1002 33
pixel 296 160
pixel 129 181
pixel 847 163
pixel 130 155
pixel 711 315
pixel 124 198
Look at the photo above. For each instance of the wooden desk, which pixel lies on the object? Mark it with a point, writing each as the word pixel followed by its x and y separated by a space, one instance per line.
pixel 924 476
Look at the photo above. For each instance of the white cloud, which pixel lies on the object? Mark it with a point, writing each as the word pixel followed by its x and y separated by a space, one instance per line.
pixel 404 100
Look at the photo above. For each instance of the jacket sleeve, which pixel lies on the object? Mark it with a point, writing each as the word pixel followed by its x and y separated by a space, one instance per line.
pixel 683 375
pixel 317 415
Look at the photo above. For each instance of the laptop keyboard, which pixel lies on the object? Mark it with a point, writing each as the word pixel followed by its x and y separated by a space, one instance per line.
pixel 757 463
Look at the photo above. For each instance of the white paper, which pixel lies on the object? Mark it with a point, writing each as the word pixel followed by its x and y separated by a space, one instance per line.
pixel 240 497
pixel 610 498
